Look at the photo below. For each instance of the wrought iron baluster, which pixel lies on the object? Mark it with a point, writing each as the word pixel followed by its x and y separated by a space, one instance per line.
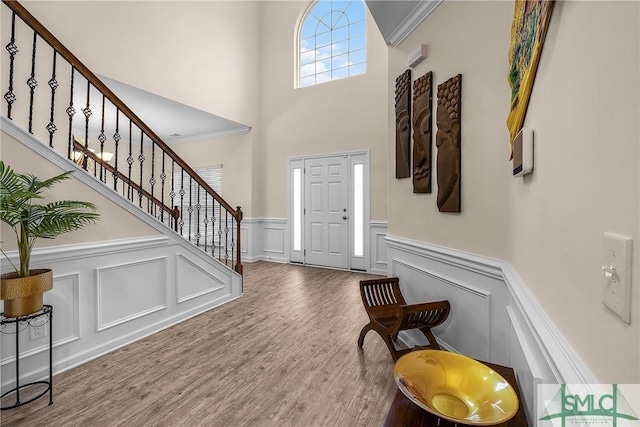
pixel 130 163
pixel 152 181
pixel 219 232
pixel 53 84
pixel 71 112
pixel 190 208
pixel 181 223
pixel 172 193
pixel 87 114
pixel 163 177
pixel 141 160
pixel 116 138
pixel 198 216
pixel 226 237
pixel 102 138
pixel 32 82
pixel 11 47
pixel 206 219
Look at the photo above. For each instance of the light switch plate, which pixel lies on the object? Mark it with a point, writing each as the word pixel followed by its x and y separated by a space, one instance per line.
pixel 617 286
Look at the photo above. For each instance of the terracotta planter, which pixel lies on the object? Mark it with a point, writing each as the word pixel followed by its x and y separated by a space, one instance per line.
pixel 23 295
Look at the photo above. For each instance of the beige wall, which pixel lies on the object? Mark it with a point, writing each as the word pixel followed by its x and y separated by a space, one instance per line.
pixel 470 38
pixel 343 115
pixel 233 153
pixel 201 53
pixel 584 111
pixel 110 227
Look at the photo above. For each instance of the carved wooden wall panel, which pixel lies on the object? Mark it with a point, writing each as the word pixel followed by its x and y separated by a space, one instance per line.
pixel 448 143
pixel 403 125
pixel 422 133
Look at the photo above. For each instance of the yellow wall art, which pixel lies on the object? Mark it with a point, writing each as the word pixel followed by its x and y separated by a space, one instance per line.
pixel 528 31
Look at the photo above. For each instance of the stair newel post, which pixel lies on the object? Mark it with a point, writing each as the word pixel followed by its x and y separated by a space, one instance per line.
pixel 239 216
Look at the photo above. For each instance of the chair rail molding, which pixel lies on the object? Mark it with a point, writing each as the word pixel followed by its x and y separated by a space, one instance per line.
pixel 521 334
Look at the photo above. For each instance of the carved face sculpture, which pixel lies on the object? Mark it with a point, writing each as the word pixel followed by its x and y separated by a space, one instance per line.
pixel 448 143
pixel 403 125
pixel 422 134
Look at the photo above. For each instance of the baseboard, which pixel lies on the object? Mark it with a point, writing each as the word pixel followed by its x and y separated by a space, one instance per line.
pixel 519 334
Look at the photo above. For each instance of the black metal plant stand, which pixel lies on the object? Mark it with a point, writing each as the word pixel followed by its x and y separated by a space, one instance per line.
pixel 22 323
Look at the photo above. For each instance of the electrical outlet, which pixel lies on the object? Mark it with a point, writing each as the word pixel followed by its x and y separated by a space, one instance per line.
pixel 617 275
pixel 38 329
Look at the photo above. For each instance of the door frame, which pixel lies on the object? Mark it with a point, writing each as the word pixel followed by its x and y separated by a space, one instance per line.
pixel 361 157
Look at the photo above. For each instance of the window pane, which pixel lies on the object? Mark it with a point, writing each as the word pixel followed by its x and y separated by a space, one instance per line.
pixel 340 73
pixel 308 70
pixel 357 29
pixel 358 56
pixel 357 43
pixel 354 70
pixel 308 44
pixel 338 48
pixel 340 61
pixel 324 65
pixel 309 27
pixel 307 57
pixel 323 39
pixel 358 210
pixel 323 53
pixel 308 81
pixel 330 32
pixel 323 77
pixel 340 34
pixel 297 210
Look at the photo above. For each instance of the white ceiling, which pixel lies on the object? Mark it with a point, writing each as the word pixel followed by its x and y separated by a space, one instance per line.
pixel 172 121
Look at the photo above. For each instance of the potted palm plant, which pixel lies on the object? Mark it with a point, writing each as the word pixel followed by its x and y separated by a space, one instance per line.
pixel 22 289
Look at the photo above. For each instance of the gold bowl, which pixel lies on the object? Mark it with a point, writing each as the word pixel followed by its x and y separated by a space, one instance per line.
pixel 455 387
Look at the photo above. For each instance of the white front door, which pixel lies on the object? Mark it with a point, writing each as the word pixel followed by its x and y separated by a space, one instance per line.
pixel 326 218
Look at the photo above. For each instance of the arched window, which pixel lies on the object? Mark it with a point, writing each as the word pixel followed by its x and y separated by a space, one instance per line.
pixel 332 42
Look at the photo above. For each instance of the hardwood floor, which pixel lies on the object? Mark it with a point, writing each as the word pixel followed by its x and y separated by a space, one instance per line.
pixel 285 355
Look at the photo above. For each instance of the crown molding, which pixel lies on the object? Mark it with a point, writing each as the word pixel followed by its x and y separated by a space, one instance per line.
pixel 411 22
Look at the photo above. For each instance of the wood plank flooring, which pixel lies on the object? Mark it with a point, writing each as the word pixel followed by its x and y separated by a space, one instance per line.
pixel 285 355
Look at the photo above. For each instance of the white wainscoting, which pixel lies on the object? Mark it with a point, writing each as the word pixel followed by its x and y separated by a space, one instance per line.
pixel 268 239
pixel 493 317
pixel 109 294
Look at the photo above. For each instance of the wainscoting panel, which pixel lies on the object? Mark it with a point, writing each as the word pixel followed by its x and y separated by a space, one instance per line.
pixel 145 284
pixel 194 280
pixel 468 330
pixel 268 240
pixel 378 232
pixel 493 315
pixel 109 294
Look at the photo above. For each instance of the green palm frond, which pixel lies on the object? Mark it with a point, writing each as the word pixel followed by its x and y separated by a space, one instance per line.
pixel 31 221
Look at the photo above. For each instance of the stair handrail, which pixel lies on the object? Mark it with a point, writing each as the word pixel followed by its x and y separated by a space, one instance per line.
pixel 62 50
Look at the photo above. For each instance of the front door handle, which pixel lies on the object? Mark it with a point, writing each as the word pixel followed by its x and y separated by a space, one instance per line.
pixel 344 217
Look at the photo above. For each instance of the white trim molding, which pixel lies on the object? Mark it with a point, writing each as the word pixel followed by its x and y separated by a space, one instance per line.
pixel 422 10
pixel 514 329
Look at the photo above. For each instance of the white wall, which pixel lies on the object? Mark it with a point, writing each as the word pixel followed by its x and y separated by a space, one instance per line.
pixel 584 111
